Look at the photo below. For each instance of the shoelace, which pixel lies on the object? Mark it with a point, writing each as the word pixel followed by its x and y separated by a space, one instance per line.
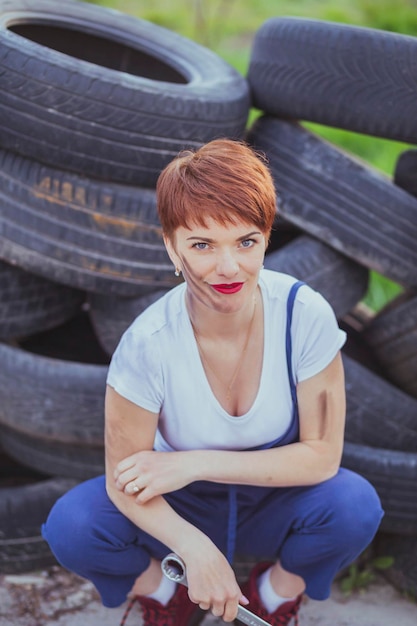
pixel 283 619
pixel 130 604
pixel 149 614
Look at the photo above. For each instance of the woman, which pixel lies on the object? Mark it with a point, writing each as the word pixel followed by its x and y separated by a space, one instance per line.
pixel 225 412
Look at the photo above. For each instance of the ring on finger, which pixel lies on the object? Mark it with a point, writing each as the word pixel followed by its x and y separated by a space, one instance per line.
pixel 135 488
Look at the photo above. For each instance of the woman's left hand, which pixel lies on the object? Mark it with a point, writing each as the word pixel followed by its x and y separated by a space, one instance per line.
pixel 147 474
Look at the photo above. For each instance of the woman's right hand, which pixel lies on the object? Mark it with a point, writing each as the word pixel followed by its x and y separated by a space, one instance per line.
pixel 212 583
pixel 148 473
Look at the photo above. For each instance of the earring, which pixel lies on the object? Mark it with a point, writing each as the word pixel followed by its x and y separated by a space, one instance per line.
pixel 177 272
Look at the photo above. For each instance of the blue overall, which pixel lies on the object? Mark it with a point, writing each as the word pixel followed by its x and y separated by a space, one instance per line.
pixel 315 530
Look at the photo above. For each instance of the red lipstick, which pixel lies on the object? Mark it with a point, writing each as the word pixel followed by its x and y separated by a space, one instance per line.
pixel 228 287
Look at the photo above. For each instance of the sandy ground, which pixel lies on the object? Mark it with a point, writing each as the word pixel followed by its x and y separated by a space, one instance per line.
pixel 55 597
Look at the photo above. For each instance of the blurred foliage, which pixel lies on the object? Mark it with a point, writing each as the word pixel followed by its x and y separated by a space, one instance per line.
pixel 208 21
pixel 363 572
pixel 227 27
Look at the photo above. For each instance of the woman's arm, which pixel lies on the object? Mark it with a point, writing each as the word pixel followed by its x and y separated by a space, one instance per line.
pixel 315 458
pixel 129 432
pixel 130 429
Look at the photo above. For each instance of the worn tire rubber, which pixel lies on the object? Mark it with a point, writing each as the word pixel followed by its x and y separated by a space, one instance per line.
pixel 340 200
pixel 54 423
pixel 73 342
pixel 393 473
pixel 378 414
pixel 91 90
pixel 57 458
pixel 95 236
pixel 25 501
pixel 351 77
pixel 339 279
pixel 111 316
pixel 30 304
pixel 392 337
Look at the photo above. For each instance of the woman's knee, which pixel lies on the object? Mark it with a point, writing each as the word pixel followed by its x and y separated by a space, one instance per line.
pixel 356 508
pixel 71 523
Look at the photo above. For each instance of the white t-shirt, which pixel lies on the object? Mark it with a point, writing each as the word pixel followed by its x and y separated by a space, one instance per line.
pixel 158 367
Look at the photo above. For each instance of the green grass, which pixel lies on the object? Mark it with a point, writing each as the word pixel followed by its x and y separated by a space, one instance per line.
pixel 227 27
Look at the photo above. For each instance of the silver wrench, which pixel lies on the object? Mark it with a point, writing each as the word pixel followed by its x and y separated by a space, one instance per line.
pixel 174 568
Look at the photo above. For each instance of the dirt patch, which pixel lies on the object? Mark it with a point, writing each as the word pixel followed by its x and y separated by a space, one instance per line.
pixel 43 597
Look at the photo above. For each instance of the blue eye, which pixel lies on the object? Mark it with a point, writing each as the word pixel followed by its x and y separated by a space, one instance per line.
pixel 247 243
pixel 200 245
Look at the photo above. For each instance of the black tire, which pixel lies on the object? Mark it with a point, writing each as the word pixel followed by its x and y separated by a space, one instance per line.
pixel 405 171
pixel 355 347
pixel 25 501
pixel 111 316
pixel 54 423
pixel 339 200
pixel 392 337
pixel 378 414
pixel 340 280
pixel 393 473
pixel 53 456
pixel 74 341
pixel 30 304
pixel 282 232
pixel 99 237
pixel 108 95
pixel 359 79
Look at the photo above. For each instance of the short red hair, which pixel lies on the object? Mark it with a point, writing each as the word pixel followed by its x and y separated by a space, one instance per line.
pixel 224 180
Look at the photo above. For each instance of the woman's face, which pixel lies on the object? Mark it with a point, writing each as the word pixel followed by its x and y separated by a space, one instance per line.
pixel 220 264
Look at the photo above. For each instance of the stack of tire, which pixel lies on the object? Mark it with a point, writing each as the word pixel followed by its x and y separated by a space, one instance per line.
pixel 93 105
pixel 360 80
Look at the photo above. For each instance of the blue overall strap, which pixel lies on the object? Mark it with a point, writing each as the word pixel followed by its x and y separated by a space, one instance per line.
pixel 232 489
pixel 292 432
pixel 288 341
pixel 231 523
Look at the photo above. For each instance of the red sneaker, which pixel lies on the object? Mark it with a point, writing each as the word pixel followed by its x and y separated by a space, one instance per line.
pixel 283 615
pixel 179 611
